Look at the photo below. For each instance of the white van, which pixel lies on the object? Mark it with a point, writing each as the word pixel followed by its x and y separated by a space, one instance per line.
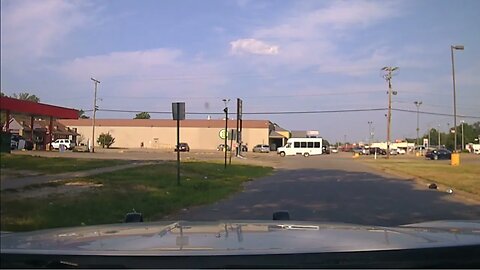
pixel 301 146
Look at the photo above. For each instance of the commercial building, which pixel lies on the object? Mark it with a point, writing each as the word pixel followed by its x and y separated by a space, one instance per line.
pixel 162 133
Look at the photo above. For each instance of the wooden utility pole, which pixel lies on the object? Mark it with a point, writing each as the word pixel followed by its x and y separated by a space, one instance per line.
pixel 388 77
pixel 94 113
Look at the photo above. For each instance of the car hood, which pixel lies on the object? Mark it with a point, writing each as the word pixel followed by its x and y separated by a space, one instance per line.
pixel 238 237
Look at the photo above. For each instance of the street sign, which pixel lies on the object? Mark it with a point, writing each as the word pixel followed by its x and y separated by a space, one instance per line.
pixel 178 110
pixel 239 108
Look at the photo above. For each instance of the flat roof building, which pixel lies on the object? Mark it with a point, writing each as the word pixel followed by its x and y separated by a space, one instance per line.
pixel 162 133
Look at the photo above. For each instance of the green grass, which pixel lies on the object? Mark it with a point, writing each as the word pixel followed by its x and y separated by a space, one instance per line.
pixel 465 177
pixel 53 165
pixel 151 190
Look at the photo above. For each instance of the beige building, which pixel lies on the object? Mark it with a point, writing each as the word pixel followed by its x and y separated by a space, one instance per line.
pixel 162 133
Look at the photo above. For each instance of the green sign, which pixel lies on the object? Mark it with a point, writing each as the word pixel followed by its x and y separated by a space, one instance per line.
pixel 222 134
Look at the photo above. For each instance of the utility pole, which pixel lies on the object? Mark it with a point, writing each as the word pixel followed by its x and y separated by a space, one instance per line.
pixel 370 132
pixel 388 77
pixel 96 82
pixel 463 137
pixel 418 103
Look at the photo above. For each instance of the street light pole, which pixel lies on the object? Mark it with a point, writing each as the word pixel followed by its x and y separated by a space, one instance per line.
pixel 388 77
pixel 226 129
pixel 429 131
pixel 438 131
pixel 418 103
pixel 463 137
pixel 96 82
pixel 456 47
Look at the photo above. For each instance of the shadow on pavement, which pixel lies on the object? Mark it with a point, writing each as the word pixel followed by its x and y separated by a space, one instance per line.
pixel 335 196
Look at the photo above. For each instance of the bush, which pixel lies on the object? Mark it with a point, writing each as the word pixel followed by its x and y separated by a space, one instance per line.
pixel 105 140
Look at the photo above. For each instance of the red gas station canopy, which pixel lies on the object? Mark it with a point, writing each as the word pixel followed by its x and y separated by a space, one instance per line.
pixel 14 105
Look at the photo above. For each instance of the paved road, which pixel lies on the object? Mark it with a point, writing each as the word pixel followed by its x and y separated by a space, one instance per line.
pixel 337 189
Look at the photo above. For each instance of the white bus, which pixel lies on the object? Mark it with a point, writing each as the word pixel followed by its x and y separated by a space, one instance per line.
pixel 301 146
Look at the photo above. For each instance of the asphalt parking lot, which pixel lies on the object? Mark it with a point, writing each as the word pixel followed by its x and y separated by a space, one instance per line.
pixel 333 188
pixel 336 188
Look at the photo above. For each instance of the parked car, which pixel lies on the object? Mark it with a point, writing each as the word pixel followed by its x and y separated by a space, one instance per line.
pixel 183 147
pixel 221 147
pixel 13 145
pixel 18 142
pixel 334 150
pixel 325 150
pixel 438 154
pixel 28 145
pixel 358 150
pixel 81 148
pixel 262 148
pixel 377 150
pixel 401 151
pixel 68 144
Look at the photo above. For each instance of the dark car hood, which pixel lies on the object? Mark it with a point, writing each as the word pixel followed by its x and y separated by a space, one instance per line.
pixel 238 237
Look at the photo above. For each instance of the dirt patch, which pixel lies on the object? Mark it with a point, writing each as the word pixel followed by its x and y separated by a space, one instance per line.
pixel 54 188
pixel 6 174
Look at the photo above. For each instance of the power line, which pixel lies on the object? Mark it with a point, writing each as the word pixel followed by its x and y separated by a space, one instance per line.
pixel 247 97
pixel 434 113
pixel 289 112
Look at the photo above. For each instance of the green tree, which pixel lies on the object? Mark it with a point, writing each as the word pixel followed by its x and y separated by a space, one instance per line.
pixel 470 133
pixel 26 96
pixel 142 115
pixel 81 114
pixel 105 139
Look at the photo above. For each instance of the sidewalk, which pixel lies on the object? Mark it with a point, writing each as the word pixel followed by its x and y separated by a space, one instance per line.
pixel 15 183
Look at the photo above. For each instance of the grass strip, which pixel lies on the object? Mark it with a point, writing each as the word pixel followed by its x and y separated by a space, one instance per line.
pixel 151 190
pixel 465 177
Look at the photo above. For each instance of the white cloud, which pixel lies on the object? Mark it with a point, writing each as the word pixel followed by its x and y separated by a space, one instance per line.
pixel 31 29
pixel 341 15
pixel 253 46
pixel 312 38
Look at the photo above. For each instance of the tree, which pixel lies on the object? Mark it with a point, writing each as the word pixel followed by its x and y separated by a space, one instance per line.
pixel 81 114
pixel 105 140
pixel 142 115
pixel 26 96
pixel 470 133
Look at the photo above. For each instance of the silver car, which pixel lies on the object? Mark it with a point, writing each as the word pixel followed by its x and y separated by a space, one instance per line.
pixel 262 148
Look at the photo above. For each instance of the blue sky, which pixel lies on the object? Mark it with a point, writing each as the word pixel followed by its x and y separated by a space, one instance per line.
pixel 275 55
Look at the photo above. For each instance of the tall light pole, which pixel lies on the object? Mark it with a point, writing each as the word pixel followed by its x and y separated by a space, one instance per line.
pixel 463 137
pixel 429 131
pixel 96 82
pixel 456 47
pixel 418 103
pixel 370 132
pixel 388 77
pixel 225 110
pixel 438 131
